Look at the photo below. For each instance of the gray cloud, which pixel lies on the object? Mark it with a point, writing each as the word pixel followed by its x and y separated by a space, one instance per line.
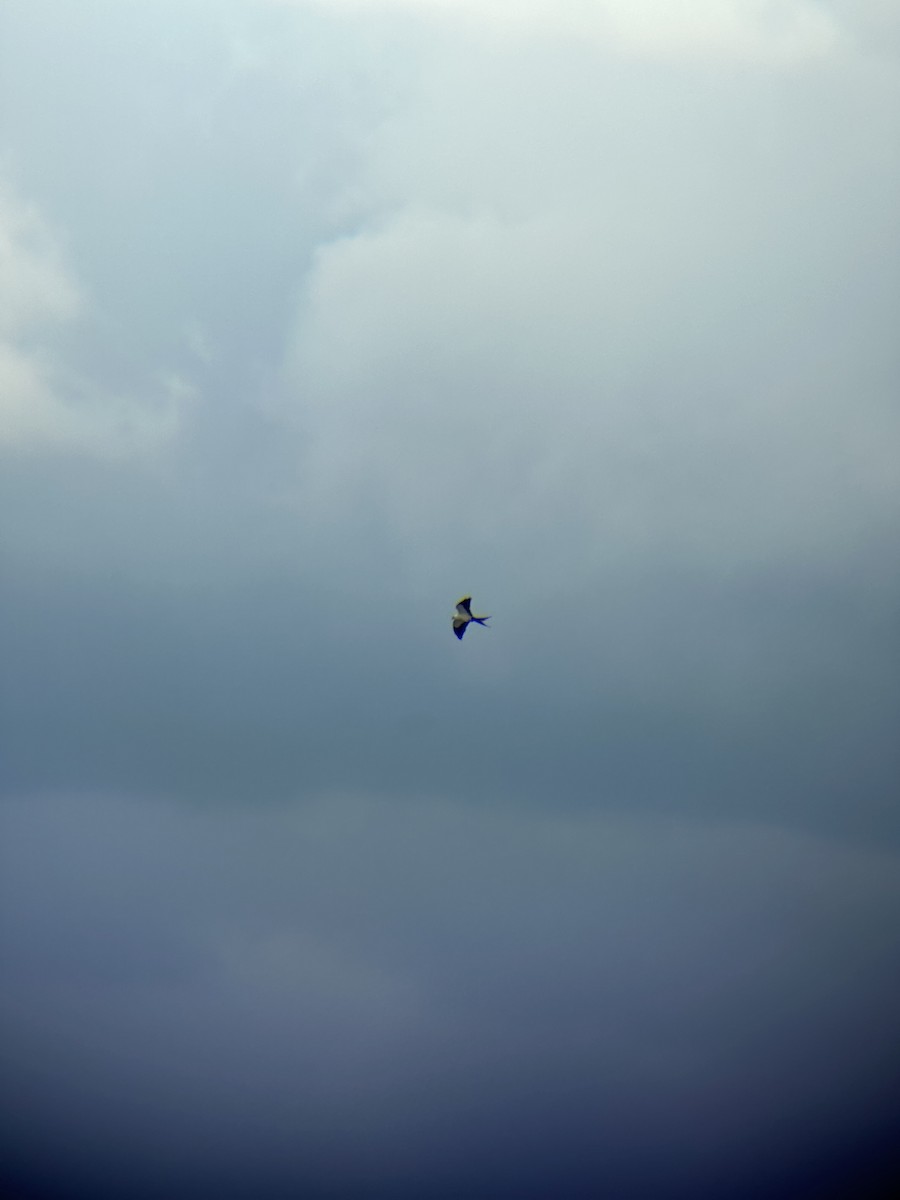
pixel 402 985
pixel 313 318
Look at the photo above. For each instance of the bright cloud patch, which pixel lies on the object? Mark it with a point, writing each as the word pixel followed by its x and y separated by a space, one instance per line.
pixel 729 30
pixel 43 403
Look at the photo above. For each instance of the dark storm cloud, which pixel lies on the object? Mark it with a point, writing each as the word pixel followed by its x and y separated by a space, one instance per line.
pixel 377 997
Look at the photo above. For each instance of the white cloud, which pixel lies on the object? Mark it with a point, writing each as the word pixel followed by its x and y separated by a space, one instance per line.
pixel 750 31
pixel 34 285
pixel 44 404
pixel 553 376
pixel 614 303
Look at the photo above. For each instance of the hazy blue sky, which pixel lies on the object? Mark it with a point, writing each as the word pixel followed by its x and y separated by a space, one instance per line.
pixel 315 316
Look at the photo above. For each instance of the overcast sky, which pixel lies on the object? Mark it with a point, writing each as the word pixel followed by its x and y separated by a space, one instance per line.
pixel 314 317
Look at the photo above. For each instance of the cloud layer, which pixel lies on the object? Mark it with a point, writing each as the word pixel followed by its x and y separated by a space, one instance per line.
pixel 313 318
pixel 411 996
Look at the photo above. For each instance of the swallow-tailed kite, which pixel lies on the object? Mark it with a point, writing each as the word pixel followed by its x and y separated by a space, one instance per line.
pixel 464 617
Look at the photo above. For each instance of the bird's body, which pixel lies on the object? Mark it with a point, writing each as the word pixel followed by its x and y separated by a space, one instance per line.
pixel 464 617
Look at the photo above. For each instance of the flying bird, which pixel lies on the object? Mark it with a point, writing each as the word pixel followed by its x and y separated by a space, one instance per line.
pixel 464 617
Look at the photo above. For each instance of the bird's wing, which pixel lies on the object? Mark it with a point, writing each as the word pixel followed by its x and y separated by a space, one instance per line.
pixel 459 627
pixel 463 606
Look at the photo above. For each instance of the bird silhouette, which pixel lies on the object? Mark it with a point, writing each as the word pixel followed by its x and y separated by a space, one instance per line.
pixel 464 617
